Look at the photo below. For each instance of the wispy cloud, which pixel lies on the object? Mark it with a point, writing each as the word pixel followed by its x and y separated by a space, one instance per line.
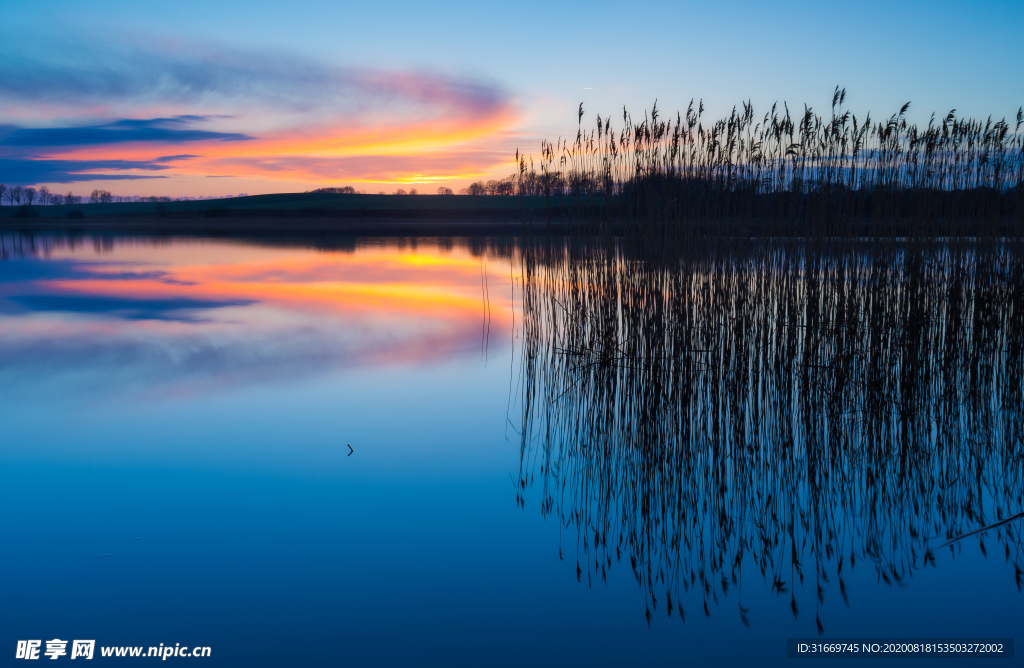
pixel 370 168
pixel 156 130
pixel 80 78
pixel 39 170
pixel 90 111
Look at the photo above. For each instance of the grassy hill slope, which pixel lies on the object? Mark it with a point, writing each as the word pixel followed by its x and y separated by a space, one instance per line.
pixel 294 202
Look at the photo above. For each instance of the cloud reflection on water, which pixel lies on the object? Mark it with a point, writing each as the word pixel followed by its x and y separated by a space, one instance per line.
pixel 193 314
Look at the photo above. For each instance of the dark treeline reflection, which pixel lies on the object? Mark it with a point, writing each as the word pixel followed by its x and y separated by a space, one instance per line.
pixel 802 408
pixel 42 245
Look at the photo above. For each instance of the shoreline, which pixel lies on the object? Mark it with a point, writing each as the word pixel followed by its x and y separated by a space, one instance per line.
pixel 272 223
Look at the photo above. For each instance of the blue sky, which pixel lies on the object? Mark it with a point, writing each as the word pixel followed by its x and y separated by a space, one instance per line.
pixel 388 93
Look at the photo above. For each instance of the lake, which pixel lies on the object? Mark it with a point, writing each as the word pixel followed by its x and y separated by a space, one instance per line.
pixel 396 451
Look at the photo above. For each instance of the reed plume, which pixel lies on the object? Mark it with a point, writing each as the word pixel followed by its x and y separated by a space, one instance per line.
pixel 784 173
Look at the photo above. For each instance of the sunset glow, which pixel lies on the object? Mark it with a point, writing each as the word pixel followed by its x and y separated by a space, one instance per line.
pixel 174 119
pixel 206 99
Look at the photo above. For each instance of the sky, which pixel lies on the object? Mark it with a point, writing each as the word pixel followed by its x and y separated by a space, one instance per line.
pixel 221 98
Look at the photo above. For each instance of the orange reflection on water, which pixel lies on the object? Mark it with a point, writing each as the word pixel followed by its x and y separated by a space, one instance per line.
pixel 160 319
pixel 425 283
pixel 385 303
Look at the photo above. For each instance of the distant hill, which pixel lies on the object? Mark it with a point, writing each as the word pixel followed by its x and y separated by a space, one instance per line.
pixel 295 202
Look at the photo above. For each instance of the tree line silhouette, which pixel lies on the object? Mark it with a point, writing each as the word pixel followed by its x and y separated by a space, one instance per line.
pixel 28 196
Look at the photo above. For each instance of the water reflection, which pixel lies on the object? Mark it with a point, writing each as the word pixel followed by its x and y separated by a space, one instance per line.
pixel 778 416
pixel 159 316
pixel 783 411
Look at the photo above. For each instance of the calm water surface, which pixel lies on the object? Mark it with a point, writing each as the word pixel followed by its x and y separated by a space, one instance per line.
pixel 175 468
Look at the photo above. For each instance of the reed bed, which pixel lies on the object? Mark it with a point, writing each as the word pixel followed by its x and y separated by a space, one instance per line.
pixel 700 403
pixel 780 173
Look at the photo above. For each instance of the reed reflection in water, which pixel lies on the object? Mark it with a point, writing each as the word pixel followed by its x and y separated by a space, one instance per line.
pixel 795 409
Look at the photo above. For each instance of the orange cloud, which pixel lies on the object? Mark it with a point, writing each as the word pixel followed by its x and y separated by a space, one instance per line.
pixel 441 150
pixel 306 121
